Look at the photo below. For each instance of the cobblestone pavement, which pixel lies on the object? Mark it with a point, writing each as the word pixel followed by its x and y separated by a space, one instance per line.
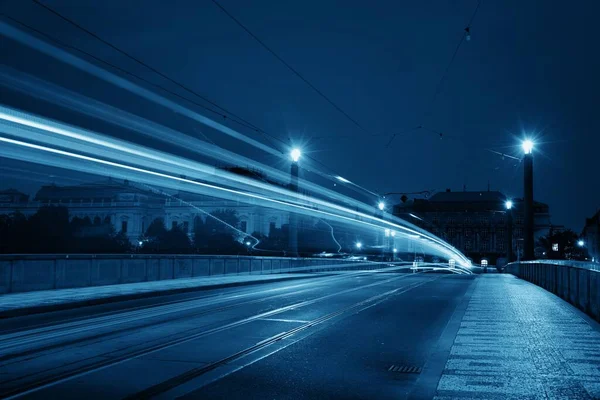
pixel 518 341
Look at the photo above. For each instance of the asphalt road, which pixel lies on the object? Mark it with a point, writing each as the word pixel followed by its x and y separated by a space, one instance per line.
pixel 352 335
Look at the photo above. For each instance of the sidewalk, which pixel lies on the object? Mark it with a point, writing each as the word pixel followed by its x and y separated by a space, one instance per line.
pixel 16 304
pixel 517 341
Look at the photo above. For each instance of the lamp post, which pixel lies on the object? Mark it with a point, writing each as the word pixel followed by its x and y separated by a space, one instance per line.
pixel 509 231
pixel 295 155
pixel 528 253
pixel 381 207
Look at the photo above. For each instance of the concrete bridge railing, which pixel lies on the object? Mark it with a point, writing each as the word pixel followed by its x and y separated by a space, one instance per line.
pixel 575 282
pixel 22 273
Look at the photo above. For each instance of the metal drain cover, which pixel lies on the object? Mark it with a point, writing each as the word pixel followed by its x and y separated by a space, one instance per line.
pixel 405 369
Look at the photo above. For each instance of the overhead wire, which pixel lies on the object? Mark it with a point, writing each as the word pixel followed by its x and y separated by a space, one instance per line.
pixel 288 66
pixel 440 83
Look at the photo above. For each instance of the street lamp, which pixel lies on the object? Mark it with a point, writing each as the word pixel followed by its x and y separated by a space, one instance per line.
pixel 528 242
pixel 359 245
pixel 381 206
pixel 295 155
pixel 509 230
pixel 580 243
pixel 527 146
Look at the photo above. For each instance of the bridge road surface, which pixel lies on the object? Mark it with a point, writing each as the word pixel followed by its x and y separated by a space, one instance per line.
pixel 352 335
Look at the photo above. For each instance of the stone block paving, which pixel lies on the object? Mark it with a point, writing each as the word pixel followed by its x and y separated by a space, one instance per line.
pixel 518 341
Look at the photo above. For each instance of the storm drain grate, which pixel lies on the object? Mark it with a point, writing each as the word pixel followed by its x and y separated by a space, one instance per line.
pixel 405 369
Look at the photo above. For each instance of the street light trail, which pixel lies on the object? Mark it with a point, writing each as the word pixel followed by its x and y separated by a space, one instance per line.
pixel 107 76
pixel 214 190
pixel 81 104
pixel 148 159
pixel 31 41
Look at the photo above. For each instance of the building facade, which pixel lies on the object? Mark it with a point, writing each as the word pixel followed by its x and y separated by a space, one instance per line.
pixel 476 223
pixel 130 209
pixel 591 236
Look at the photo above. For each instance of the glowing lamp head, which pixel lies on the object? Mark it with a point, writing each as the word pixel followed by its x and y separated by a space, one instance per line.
pixel 395 250
pixel 580 243
pixel 381 205
pixel 248 243
pixel 359 245
pixel 508 204
pixel 527 146
pixel 295 154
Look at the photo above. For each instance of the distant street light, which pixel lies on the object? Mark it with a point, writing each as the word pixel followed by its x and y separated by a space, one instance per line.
pixel 395 250
pixel 508 204
pixel 248 243
pixel 580 243
pixel 359 245
pixel 381 206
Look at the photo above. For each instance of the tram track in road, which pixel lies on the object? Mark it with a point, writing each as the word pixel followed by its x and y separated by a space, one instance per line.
pixel 48 332
pixel 194 373
pixel 108 360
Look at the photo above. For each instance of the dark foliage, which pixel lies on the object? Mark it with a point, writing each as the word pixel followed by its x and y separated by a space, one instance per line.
pixel 50 231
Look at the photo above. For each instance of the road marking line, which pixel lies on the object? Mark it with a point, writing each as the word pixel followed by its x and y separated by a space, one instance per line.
pixel 283 320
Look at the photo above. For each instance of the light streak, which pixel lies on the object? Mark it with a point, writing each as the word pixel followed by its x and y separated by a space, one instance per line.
pixel 151 160
pixel 20 118
pixel 267 200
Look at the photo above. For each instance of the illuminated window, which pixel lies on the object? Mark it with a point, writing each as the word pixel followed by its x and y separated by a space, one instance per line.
pixel 484 262
pixel 554 246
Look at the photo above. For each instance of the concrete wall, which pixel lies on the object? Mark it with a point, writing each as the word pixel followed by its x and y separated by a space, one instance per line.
pixel 23 273
pixel 577 283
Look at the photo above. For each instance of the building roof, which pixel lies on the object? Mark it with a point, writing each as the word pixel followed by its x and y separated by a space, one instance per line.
pixel 492 196
pixel 594 220
pixel 108 188
pixel 12 191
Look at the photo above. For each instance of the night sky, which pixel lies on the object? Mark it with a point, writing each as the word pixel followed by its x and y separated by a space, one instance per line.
pixel 530 69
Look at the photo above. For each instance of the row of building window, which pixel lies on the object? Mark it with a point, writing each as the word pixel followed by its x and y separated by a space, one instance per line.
pixel 469 221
